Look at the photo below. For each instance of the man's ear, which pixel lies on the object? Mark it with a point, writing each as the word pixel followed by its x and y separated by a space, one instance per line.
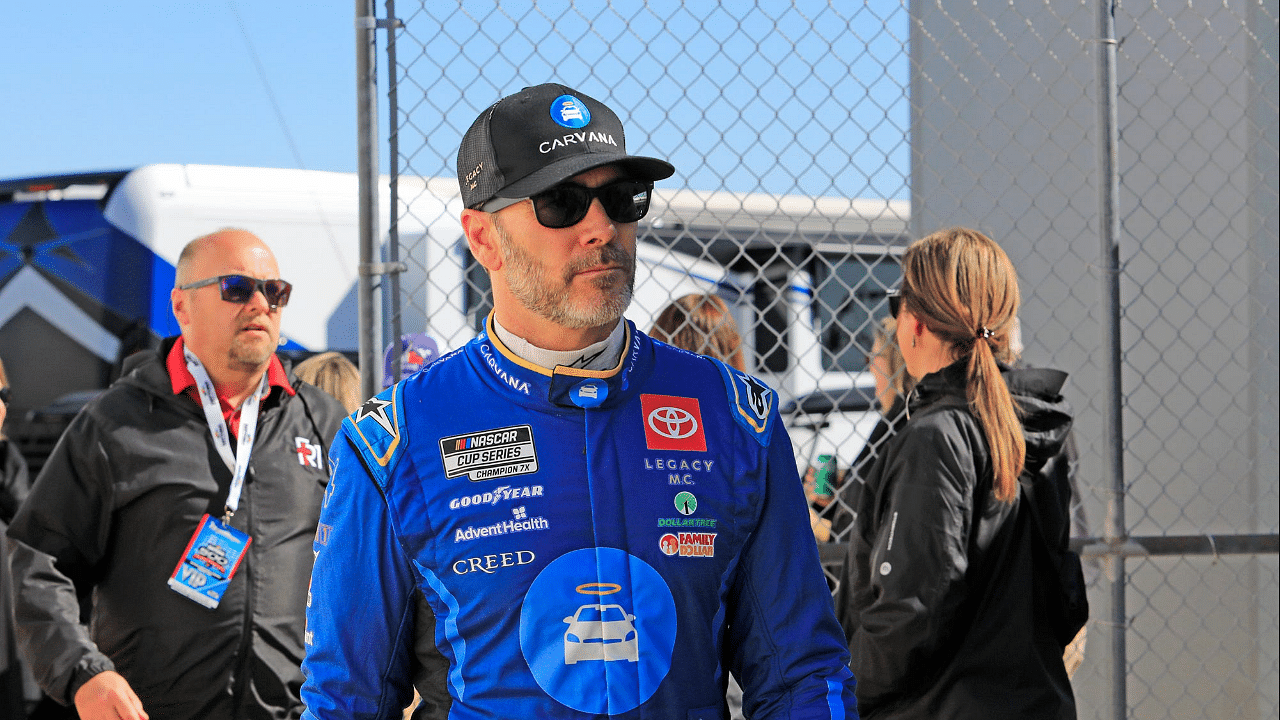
pixel 482 238
pixel 178 299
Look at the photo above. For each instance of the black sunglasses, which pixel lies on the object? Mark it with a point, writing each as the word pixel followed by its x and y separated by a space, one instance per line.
pixel 240 289
pixel 4 395
pixel 895 302
pixel 565 205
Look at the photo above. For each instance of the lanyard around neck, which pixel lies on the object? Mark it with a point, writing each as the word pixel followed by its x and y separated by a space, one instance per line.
pixel 237 461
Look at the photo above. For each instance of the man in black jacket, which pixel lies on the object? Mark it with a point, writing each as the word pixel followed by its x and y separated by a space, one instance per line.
pixel 185 498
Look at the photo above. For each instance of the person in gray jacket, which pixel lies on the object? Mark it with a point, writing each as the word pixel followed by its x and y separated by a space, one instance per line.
pixel 182 501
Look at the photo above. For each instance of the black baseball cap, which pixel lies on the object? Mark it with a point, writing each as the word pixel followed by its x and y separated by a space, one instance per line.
pixel 539 137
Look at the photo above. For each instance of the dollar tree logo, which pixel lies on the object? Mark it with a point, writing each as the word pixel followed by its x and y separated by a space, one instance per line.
pixel 686 503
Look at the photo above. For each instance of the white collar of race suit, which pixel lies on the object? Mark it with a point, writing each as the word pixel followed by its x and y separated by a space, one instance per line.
pixel 603 355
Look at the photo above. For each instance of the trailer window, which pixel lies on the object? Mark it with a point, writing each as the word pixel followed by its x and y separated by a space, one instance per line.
pixel 849 301
pixel 771 336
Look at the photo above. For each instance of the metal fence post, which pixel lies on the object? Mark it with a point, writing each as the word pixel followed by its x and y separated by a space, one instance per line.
pixel 393 229
pixel 1115 531
pixel 367 139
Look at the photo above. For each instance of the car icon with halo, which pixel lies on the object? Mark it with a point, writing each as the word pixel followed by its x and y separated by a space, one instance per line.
pixel 600 632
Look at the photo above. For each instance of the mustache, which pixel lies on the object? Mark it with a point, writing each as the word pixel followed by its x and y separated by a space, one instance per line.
pixel 610 254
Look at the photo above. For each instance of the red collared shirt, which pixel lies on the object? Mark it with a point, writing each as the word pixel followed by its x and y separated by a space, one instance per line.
pixel 183 382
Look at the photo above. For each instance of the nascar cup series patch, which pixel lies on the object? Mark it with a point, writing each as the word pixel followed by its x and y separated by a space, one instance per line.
pixel 490 454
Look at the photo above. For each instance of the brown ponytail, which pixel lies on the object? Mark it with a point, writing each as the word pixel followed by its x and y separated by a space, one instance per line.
pixel 964 288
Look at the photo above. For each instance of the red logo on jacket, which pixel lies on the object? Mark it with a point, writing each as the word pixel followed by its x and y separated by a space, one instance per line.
pixel 672 423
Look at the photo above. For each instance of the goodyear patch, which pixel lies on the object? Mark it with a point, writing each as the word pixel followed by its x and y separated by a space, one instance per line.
pixel 751 402
pixel 490 454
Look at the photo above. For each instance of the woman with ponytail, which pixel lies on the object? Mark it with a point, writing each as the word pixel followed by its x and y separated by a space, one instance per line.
pixel 946 596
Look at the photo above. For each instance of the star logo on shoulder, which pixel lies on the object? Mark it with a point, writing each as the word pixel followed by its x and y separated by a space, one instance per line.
pixel 759 396
pixel 377 409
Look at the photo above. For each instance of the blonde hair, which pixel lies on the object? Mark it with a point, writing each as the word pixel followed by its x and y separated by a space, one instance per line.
pixel 963 287
pixel 701 324
pixel 333 373
pixel 885 347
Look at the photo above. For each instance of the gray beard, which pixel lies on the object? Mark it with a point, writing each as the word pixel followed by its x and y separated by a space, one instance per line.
pixel 532 290
pixel 245 358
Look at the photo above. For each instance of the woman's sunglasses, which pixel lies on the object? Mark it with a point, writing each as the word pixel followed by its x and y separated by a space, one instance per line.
pixel 565 205
pixel 240 289
pixel 895 302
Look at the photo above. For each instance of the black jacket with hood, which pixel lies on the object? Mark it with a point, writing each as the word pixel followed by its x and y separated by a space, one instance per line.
pixel 14 486
pixel 112 512
pixel 945 597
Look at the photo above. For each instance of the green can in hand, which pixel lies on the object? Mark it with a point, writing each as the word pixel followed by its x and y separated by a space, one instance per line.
pixel 825 474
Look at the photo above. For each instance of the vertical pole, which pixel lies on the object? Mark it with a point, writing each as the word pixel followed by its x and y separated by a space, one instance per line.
pixel 367 135
pixel 1264 266
pixel 1115 532
pixel 393 228
pixel 917 41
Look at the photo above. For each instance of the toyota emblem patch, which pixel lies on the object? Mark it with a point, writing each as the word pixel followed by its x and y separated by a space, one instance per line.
pixel 672 423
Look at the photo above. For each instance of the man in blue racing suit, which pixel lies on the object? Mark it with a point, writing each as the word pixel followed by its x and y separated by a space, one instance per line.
pixel 565 518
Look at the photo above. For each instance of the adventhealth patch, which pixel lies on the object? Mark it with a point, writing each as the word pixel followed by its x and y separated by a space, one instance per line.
pixel 490 454
pixel 209 562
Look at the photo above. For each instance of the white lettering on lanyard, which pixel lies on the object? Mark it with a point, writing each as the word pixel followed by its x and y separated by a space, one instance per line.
pixel 238 460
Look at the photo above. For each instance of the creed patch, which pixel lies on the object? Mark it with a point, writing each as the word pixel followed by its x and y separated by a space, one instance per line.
pixel 490 454
pixel 672 423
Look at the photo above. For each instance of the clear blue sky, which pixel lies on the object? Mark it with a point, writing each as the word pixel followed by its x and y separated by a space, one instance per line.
pixel 805 99
pixel 94 85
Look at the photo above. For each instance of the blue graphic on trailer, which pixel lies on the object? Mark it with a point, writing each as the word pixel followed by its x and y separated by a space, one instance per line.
pixel 61 258
pixel 70 243
pixel 598 629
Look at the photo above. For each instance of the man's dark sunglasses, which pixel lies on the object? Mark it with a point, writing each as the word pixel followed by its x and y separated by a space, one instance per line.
pixel 565 205
pixel 4 395
pixel 240 289
pixel 895 302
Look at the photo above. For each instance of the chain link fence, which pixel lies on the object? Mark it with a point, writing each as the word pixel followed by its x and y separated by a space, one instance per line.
pixel 1124 155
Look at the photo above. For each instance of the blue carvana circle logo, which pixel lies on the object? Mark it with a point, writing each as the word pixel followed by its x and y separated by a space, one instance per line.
pixel 598 628
pixel 570 112
pixel 589 394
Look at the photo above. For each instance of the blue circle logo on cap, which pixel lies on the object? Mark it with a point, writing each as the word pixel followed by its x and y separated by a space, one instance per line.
pixel 570 112
pixel 598 630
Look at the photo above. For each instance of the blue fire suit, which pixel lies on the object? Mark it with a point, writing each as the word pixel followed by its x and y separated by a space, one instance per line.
pixel 579 544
